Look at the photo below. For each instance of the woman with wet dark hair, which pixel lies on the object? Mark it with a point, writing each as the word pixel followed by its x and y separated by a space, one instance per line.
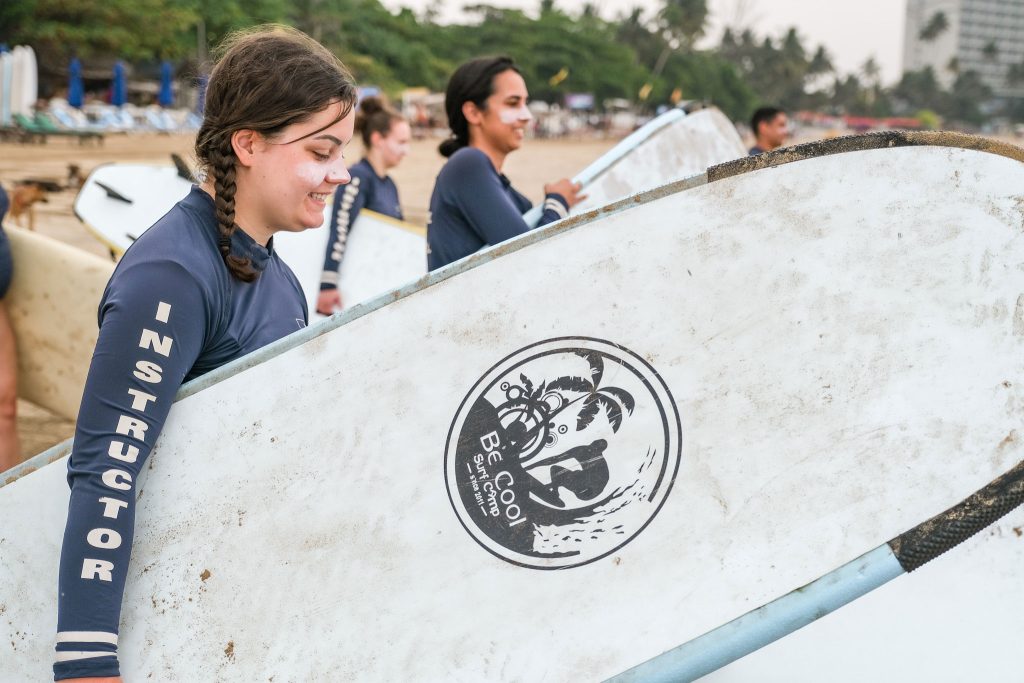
pixel 474 204
pixel 200 288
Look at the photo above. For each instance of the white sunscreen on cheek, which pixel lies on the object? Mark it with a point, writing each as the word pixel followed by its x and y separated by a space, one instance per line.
pixel 510 116
pixel 311 173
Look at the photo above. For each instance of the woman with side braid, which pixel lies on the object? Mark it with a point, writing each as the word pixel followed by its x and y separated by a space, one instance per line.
pixel 200 288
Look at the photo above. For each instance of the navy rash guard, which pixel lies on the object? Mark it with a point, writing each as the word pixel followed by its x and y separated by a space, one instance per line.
pixel 474 206
pixel 6 265
pixel 170 312
pixel 366 190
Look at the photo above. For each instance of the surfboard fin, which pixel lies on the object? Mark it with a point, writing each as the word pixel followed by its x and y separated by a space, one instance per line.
pixel 114 194
pixel 184 171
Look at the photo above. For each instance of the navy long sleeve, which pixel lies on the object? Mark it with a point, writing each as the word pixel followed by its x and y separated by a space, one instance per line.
pixel 6 266
pixel 365 190
pixel 473 206
pixel 170 312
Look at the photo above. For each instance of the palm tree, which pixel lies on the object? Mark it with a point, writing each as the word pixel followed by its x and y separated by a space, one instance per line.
pixel 534 409
pixel 936 26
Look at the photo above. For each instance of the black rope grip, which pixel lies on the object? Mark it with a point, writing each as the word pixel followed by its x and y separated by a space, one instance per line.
pixel 927 541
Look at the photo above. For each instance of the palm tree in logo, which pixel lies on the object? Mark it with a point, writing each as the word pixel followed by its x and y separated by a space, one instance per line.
pixel 528 415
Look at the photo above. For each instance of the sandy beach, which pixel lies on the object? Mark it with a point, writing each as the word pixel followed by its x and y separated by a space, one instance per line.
pixel 538 162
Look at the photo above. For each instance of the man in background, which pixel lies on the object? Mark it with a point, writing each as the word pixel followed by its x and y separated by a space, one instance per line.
pixel 770 127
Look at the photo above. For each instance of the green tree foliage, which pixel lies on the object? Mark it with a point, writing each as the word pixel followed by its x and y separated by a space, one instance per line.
pixel 937 24
pixel 643 50
pixel 781 72
pixel 919 89
pixel 683 21
pixel 132 29
pixel 990 51
pixel 967 97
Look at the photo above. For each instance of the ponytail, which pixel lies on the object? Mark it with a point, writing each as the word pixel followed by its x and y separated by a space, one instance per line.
pixel 471 82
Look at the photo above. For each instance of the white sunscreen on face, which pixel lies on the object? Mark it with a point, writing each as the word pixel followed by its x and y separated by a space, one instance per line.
pixel 510 116
pixel 311 173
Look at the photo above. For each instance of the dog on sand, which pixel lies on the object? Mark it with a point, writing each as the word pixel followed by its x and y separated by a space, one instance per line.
pixel 23 199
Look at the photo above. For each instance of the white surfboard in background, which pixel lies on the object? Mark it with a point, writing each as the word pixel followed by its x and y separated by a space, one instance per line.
pixel 118 202
pixel 17 105
pixel 381 254
pixel 29 81
pixel 6 78
pixel 674 146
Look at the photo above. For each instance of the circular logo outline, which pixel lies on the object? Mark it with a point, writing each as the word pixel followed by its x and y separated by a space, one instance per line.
pixel 671 422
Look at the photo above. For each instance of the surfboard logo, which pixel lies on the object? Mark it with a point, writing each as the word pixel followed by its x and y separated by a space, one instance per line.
pixel 563 452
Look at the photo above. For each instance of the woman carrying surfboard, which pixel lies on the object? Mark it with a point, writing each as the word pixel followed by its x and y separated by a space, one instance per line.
pixel 200 288
pixel 385 134
pixel 474 204
pixel 10 451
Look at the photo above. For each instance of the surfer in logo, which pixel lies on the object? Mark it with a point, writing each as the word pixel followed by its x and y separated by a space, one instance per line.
pixel 200 288
pixel 586 480
pixel 10 452
pixel 473 204
pixel 385 134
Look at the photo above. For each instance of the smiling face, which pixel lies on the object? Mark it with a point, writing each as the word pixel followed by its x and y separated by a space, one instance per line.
pixel 284 181
pixel 501 124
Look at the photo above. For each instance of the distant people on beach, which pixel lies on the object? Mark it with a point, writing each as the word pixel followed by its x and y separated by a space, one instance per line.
pixel 10 451
pixel 385 134
pixel 473 204
pixel 770 127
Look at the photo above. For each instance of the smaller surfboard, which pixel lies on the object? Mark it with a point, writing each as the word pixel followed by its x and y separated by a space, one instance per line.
pixel 118 202
pixel 673 146
pixel 29 80
pixel 381 253
pixel 6 72
pixel 52 302
pixel 17 58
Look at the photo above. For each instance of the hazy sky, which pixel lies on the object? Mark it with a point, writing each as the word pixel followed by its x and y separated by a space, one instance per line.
pixel 851 30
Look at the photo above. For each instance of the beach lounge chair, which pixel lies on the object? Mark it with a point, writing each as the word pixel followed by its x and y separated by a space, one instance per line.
pixel 50 127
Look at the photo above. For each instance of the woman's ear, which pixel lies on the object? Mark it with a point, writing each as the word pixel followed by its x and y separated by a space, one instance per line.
pixel 244 143
pixel 472 113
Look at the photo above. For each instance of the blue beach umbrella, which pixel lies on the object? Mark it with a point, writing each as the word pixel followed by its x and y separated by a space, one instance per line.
pixel 119 89
pixel 166 97
pixel 201 98
pixel 76 89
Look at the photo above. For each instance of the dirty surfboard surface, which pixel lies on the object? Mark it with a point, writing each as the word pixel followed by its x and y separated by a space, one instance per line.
pixel 118 202
pixel 54 295
pixel 678 459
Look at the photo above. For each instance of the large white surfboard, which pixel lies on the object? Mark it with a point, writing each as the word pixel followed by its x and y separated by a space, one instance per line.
pixel 671 147
pixel 6 77
pixel 118 202
pixel 687 405
pixel 29 80
pixel 52 301
pixel 17 98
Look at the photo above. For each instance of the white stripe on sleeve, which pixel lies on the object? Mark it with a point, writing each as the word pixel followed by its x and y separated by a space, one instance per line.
pixel 87 637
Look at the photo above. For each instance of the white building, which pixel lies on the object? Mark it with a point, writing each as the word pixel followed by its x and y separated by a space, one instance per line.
pixel 954 36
